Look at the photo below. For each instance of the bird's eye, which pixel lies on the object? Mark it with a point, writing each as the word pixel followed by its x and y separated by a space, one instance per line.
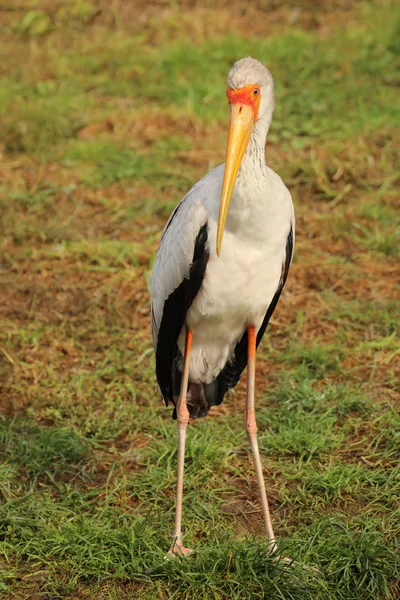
pixel 255 92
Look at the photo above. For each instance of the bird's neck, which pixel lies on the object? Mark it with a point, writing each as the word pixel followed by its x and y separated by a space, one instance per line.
pixel 258 140
pixel 253 163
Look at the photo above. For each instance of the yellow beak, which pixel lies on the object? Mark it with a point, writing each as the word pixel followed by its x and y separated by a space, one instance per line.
pixel 241 126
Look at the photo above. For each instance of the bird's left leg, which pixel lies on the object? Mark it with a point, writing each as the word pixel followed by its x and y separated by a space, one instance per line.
pixel 251 428
pixel 177 547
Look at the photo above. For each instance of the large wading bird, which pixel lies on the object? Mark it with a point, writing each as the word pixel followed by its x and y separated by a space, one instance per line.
pixel 222 263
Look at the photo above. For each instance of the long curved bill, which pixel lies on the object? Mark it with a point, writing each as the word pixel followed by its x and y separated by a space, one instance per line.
pixel 241 126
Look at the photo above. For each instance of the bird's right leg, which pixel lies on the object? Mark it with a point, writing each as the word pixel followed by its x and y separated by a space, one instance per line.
pixel 177 548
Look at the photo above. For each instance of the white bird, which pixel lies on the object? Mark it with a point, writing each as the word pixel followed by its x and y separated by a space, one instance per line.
pixel 223 260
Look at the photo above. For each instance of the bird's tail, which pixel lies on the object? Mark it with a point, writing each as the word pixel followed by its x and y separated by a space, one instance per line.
pixel 200 398
pixel 196 401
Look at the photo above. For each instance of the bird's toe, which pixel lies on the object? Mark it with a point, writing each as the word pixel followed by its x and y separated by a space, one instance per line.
pixel 178 549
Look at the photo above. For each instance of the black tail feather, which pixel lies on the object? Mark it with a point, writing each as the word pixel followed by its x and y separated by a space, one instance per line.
pixel 214 392
pixel 196 402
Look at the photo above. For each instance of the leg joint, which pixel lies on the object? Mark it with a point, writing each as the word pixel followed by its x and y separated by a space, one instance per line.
pixel 182 413
pixel 251 428
pixel 250 421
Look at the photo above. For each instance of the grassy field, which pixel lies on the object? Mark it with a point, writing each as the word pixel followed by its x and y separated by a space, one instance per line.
pixel 109 113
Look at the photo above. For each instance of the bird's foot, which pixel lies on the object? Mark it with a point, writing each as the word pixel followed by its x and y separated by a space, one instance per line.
pixel 285 561
pixel 290 562
pixel 178 549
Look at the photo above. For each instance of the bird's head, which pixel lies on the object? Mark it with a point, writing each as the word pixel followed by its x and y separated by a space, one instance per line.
pixel 250 95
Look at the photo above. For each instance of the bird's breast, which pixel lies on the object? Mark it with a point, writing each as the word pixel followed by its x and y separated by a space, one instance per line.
pixel 239 285
pixel 236 292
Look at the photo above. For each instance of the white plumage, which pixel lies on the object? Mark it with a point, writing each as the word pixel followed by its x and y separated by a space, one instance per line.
pixel 219 271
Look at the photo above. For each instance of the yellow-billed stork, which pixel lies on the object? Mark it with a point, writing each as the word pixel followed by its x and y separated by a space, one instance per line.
pixel 222 263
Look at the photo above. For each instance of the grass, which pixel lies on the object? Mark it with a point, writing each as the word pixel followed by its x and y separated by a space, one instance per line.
pixel 106 123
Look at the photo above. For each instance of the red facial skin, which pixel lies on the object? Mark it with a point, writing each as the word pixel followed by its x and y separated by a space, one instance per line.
pixel 246 95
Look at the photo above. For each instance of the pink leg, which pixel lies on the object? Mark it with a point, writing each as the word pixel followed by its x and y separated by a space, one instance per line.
pixel 251 428
pixel 177 548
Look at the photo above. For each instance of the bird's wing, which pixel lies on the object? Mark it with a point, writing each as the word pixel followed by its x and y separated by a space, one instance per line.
pixel 231 373
pixel 176 278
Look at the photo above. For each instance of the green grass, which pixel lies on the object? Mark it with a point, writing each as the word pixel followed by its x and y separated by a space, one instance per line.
pixel 105 126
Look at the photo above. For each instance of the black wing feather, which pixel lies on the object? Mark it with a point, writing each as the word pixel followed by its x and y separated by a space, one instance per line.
pixel 175 310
